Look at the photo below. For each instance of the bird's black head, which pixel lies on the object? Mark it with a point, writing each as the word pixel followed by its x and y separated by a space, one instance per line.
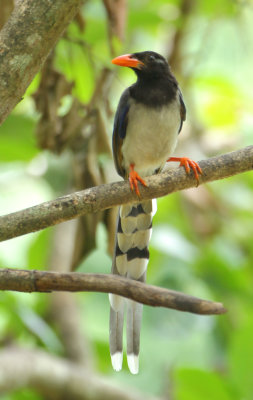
pixel 146 64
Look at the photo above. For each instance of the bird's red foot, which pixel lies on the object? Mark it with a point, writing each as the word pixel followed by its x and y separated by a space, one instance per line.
pixel 133 180
pixel 188 164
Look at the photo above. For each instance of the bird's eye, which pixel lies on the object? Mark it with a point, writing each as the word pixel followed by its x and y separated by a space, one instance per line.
pixel 151 58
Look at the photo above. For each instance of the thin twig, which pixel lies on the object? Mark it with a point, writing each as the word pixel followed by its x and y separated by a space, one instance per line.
pixel 38 281
pixel 106 196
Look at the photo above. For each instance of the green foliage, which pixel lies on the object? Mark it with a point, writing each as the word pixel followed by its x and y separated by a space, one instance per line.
pixel 17 141
pixel 241 358
pixel 194 384
pixel 202 239
pixel 38 252
pixel 25 394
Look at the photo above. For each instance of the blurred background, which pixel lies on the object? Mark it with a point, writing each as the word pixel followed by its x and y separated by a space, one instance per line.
pixel 58 140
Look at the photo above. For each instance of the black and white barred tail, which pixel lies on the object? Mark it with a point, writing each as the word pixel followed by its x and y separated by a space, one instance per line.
pixel 130 259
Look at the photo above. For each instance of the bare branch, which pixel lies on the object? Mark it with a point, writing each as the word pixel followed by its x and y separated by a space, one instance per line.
pixel 55 377
pixel 32 30
pixel 38 281
pixel 106 196
pixel 116 14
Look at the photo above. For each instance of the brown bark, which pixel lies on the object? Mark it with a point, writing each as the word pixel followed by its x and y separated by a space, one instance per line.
pixel 105 196
pixel 31 32
pixel 6 7
pixel 37 281
pixel 57 378
pixel 116 15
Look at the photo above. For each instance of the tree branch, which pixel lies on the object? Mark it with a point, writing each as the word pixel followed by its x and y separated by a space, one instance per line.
pixel 57 378
pixel 38 281
pixel 32 30
pixel 105 196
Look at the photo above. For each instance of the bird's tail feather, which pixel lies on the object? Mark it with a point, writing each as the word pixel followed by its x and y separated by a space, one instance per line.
pixel 130 260
pixel 116 333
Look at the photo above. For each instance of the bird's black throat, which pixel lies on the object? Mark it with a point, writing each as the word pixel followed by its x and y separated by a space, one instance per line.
pixel 154 91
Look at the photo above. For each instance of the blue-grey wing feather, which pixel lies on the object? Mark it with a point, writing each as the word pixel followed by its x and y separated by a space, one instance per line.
pixel 119 130
pixel 182 110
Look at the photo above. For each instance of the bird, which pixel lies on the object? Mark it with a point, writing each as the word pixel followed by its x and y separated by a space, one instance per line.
pixel 148 119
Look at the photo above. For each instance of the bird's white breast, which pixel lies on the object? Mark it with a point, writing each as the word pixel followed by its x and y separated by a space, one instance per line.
pixel 151 136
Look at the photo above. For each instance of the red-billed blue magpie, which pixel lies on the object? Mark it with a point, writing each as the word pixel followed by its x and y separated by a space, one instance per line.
pixel 148 120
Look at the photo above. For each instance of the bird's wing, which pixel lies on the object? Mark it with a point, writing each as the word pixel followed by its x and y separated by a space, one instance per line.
pixel 182 110
pixel 119 130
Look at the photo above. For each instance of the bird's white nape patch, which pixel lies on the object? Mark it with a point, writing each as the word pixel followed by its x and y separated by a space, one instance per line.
pixel 160 61
pixel 117 302
pixel 133 363
pixel 117 359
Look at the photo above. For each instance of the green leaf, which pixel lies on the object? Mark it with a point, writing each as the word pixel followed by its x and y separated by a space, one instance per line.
pixel 216 7
pixel 24 394
pixel 196 384
pixel 17 141
pixel 241 359
pixel 39 250
pixel 219 100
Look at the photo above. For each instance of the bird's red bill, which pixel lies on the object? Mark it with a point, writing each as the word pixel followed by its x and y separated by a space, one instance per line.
pixel 127 61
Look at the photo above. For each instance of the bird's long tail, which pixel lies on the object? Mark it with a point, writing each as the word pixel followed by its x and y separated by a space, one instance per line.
pixel 130 259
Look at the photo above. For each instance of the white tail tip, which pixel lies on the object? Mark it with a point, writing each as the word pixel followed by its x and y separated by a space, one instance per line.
pixel 133 363
pixel 117 361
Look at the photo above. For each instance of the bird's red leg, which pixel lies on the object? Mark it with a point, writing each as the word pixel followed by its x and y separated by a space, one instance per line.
pixel 188 164
pixel 133 180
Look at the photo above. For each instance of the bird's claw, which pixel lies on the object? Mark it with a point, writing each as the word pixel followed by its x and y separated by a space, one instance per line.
pixel 188 164
pixel 134 177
